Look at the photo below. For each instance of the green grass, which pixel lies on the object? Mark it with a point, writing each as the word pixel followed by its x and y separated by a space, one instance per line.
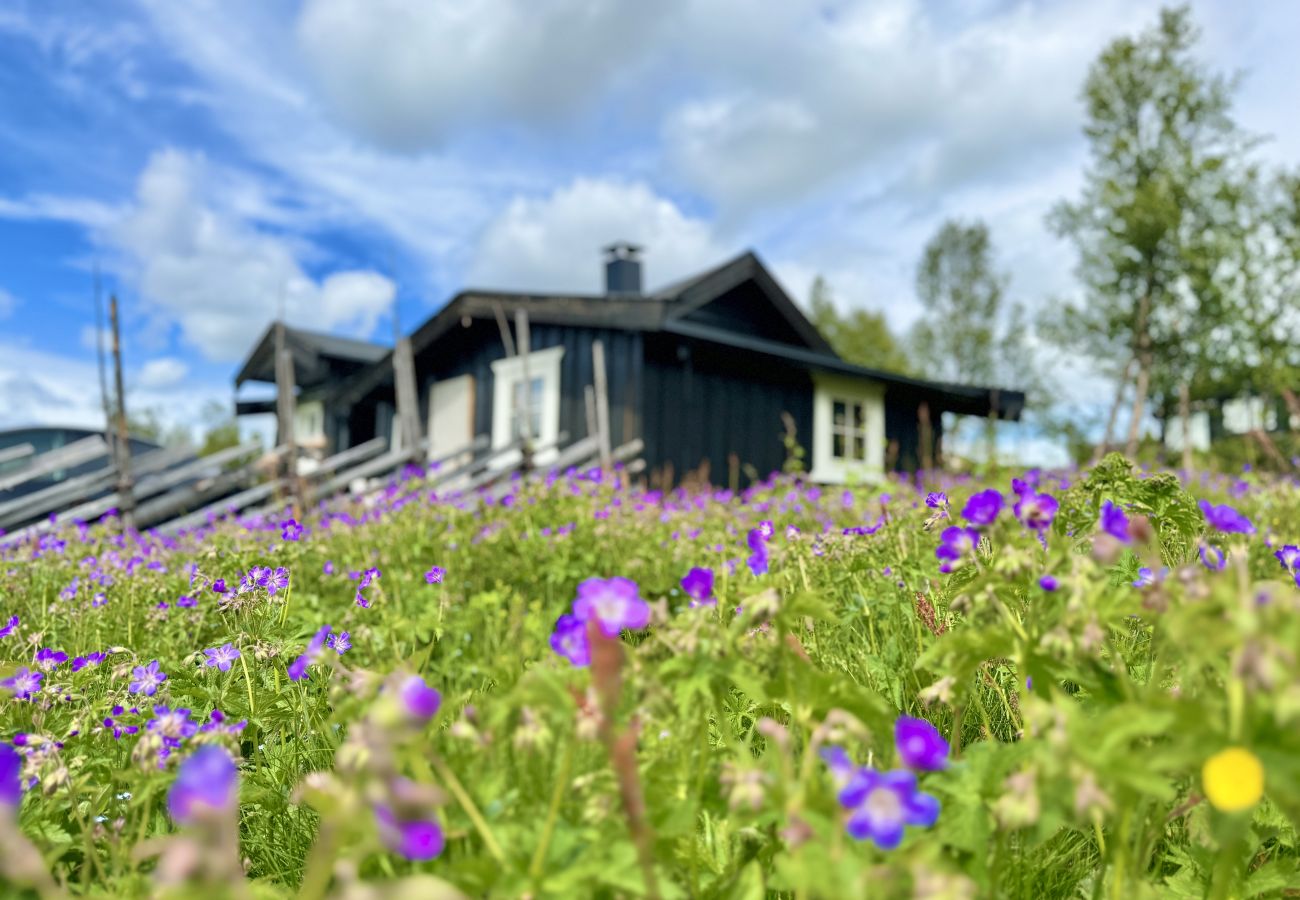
pixel 1086 785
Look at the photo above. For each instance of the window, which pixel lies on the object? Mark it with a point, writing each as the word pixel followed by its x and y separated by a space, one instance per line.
pixel 527 396
pixel 848 439
pixel 849 430
pixel 526 408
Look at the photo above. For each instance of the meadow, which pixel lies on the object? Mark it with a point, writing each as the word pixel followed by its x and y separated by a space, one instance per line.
pixel 1057 685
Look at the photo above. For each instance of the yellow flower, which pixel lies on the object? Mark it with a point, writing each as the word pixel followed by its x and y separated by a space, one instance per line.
pixel 1233 779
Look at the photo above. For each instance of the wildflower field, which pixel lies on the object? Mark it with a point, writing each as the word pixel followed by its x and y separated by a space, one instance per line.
pixel 1080 685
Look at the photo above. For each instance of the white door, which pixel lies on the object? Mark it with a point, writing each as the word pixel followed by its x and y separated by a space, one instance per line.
pixel 451 415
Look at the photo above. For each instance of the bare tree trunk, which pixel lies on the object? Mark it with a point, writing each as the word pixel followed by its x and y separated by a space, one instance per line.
pixel 1143 344
pixel 1185 415
pixel 1139 407
pixel 1109 434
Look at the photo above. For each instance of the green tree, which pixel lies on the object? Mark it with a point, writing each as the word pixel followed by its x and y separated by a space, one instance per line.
pixel 858 336
pixel 959 336
pixel 220 428
pixel 1163 153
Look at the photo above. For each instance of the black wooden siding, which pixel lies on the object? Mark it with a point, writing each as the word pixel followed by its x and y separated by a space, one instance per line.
pixel 702 403
pixel 472 350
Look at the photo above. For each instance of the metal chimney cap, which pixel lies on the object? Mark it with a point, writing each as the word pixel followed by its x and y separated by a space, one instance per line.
pixel 622 250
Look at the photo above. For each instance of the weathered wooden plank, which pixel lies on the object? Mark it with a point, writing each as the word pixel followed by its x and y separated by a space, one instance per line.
pixel 18 451
pixel 73 454
pixel 165 481
pixel 232 504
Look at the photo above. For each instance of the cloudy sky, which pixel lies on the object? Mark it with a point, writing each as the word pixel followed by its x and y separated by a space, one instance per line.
pixel 218 160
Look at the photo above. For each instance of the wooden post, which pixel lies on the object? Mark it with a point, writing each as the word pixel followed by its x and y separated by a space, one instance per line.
pixel 408 415
pixel 122 458
pixel 602 403
pixel 523 344
pixel 925 436
pixel 284 406
pixel 589 396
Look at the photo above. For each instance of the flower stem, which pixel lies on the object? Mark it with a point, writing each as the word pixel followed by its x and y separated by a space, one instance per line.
pixel 552 813
pixel 467 804
pixel 248 682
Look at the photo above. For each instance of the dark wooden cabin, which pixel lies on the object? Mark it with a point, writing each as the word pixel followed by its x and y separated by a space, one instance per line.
pixel 703 370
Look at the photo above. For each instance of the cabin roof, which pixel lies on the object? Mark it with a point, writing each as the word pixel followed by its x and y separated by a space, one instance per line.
pixel 682 308
pixel 313 352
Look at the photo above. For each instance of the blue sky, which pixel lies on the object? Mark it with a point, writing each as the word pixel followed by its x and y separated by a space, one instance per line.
pixel 216 160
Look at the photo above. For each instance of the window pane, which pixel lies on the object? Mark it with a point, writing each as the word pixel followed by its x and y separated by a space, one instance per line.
pixel 838 414
pixel 859 415
pixel 837 445
pixel 859 447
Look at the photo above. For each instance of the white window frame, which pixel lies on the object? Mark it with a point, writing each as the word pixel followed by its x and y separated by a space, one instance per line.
pixel 871 396
pixel 506 373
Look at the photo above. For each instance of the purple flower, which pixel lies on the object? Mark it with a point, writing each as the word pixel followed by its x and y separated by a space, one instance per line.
pixel 173 725
pixel 614 603
pixel 698 585
pixel 11 786
pixel 47 659
pixel 936 500
pixel 419 701
pixel 414 839
pixel 1289 557
pixel 186 602
pixel 90 659
pixel 983 508
pixel 341 643
pixel 757 561
pixel 328 568
pixel 10 627
pixel 1213 558
pixel 298 668
pixel 221 657
pixel 206 781
pixel 1115 523
pixel 435 575
pixel 569 639
pixel 369 577
pixel 920 745
pixel 1048 583
pixel 1146 577
pixel 291 530
pixel 1035 511
pixel 955 544
pixel 276 581
pixel 147 679
pixel 219 586
pixel 1225 518
pixel 23 683
pixel 882 804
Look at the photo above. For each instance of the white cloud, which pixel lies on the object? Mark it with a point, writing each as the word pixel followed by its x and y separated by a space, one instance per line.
pixel 46 388
pixel 408 74
pixel 552 243
pixel 8 303
pixel 162 372
pixel 220 279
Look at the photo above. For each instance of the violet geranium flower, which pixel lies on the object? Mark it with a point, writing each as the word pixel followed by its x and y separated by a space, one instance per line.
pixel 955 544
pixel 10 627
pixel 569 639
pixel 415 839
pixel 880 804
pixel 221 657
pixel 207 781
pixel 1115 522
pixel 23 683
pixel 920 745
pixel 291 530
pixel 435 575
pixel 614 603
pixel 1288 556
pixel 698 585
pixel 983 508
pixel 298 668
pixel 1035 511
pixel 147 679
pixel 419 701
pixel 11 787
pixel 1225 518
